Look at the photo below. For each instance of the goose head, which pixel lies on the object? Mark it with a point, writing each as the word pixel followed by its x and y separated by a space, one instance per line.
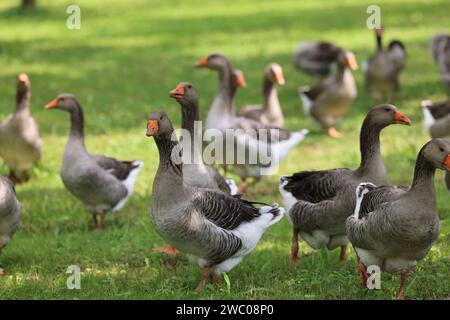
pixel 64 101
pixel 23 83
pixel 387 114
pixel 274 73
pixel 214 61
pixel 437 152
pixel 185 93
pixel 158 124
pixel 346 59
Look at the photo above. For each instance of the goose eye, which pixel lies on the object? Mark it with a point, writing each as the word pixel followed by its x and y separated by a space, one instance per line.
pixel 387 109
pixel 442 149
pixel 189 86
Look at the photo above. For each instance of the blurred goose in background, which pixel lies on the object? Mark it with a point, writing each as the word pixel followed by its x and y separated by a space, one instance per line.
pixel 440 50
pixel 318 202
pixel 20 141
pixel 222 117
pixel 316 58
pixel 9 213
pixel 269 113
pixel 394 227
pixel 101 183
pixel 333 95
pixel 382 71
pixel 215 229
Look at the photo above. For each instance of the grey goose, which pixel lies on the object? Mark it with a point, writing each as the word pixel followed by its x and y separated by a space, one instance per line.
pixel 440 51
pixel 215 229
pixel 318 202
pixel 20 141
pixel 394 227
pixel 103 184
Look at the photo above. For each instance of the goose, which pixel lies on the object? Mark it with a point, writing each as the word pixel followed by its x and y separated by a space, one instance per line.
pixel 270 113
pixel 316 58
pixel 9 213
pixel 382 71
pixel 20 141
pixel 333 95
pixel 216 230
pixel 101 183
pixel 318 202
pixel 440 50
pixel 222 119
pixel 394 227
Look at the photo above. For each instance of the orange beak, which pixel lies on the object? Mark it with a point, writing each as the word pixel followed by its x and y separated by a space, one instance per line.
pixel 401 118
pixel 279 78
pixel 53 104
pixel 351 62
pixel 240 80
pixel 152 128
pixel 23 78
pixel 202 63
pixel 178 92
pixel 447 163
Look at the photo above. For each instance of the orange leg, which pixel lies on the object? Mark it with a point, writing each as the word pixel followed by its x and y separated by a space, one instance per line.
pixel 167 249
pixel 243 186
pixel 363 273
pixel 215 280
pixel 99 222
pixel 333 133
pixel 342 255
pixel 2 272
pixel 293 258
pixel 403 279
pixel 206 273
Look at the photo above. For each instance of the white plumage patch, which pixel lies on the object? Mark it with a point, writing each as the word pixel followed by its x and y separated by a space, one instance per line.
pixel 232 185
pixel 129 183
pixel 362 189
pixel 428 117
pixel 306 102
pixel 289 199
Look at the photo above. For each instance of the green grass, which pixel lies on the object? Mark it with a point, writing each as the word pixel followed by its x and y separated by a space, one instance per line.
pixel 121 65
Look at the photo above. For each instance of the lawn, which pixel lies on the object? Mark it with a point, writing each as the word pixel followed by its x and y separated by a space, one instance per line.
pixel 121 65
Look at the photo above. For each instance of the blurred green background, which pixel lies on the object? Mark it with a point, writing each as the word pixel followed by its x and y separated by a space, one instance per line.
pixel 121 65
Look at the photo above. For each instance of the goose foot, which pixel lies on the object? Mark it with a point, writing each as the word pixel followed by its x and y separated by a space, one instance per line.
pixel 98 223
pixel 206 273
pixel 363 274
pixel 215 280
pixel 167 249
pixel 333 133
pixel 342 255
pixel 403 279
pixel 293 258
pixel 2 272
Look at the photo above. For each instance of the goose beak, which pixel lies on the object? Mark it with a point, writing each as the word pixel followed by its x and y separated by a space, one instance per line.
pixel 447 163
pixel 400 118
pixel 53 104
pixel 178 92
pixel 23 78
pixel 351 62
pixel 279 78
pixel 202 63
pixel 240 80
pixel 152 128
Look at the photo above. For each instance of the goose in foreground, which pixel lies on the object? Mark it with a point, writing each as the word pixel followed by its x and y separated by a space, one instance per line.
pixel 318 202
pixel 316 58
pixel 440 50
pixel 9 213
pixel 332 97
pixel 382 71
pixel 215 229
pixel 269 113
pixel 250 139
pixel 394 227
pixel 101 183
pixel 20 141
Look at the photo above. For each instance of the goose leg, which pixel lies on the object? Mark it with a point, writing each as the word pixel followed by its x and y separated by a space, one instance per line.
pixel 215 280
pixel 333 133
pixel 403 279
pixel 225 169
pixel 2 272
pixel 99 222
pixel 94 217
pixel 293 258
pixel 343 255
pixel 243 186
pixel 167 249
pixel 206 273
pixel 363 273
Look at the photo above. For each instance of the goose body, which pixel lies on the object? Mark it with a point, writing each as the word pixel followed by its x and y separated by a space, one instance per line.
pixel 395 227
pixel 318 202
pixel 440 50
pixel 269 113
pixel 332 97
pixel 103 184
pixel 215 229
pixel 9 212
pixel 20 141
pixel 382 70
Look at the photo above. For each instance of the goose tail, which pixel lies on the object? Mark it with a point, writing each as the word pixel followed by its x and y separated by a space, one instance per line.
pixel 129 183
pixel 274 212
pixel 232 185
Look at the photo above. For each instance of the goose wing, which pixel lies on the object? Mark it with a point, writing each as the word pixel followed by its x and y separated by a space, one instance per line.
pixel 379 196
pixel 119 169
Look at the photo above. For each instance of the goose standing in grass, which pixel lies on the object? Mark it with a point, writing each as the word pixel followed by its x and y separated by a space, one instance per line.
pixel 394 227
pixel 333 96
pixel 440 50
pixel 101 183
pixel 20 141
pixel 382 71
pixel 316 58
pixel 318 202
pixel 215 229
pixel 9 213
pixel 270 113
pixel 222 117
